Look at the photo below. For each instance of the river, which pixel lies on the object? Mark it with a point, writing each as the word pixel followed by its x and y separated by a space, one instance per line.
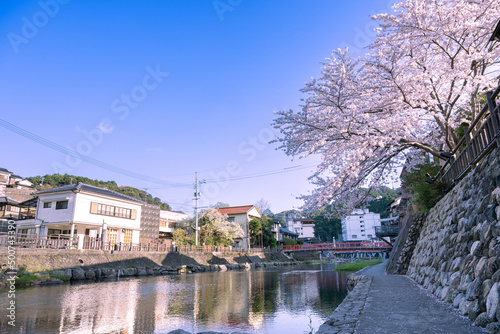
pixel 290 299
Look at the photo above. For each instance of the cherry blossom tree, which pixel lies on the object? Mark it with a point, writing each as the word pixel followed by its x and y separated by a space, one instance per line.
pixel 215 229
pixel 421 78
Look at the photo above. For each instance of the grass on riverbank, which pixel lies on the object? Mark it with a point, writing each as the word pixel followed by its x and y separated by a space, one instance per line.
pixel 357 265
pixel 27 278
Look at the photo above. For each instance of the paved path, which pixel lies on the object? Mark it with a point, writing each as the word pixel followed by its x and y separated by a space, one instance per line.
pixel 396 304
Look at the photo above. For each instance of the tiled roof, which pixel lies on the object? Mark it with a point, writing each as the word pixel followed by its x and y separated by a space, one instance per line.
pixel 234 210
pixel 304 220
pixel 87 188
pixel 284 230
pixel 5 170
pixel 8 201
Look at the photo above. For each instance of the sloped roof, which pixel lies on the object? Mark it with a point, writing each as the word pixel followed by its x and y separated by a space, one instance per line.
pixel 5 170
pixel 235 210
pixel 87 188
pixel 287 231
pixel 304 220
pixel 8 201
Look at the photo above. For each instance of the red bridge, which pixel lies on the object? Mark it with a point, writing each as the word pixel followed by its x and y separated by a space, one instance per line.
pixel 341 247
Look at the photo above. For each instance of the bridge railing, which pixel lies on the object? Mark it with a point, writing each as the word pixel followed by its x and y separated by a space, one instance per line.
pixel 356 245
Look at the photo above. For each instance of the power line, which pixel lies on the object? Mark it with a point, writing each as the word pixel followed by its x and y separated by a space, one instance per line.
pixel 165 184
pixel 56 147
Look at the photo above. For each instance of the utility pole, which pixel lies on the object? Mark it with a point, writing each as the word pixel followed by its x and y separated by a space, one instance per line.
pixel 197 196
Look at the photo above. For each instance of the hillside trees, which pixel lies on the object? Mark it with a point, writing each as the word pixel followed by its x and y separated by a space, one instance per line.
pixel 421 78
pixel 58 180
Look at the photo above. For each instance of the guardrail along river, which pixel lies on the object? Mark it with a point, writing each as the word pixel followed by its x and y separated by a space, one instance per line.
pixel 268 300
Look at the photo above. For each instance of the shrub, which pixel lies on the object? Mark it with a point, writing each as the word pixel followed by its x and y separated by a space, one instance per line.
pixel 27 279
pixel 423 194
pixel 273 243
pixel 288 242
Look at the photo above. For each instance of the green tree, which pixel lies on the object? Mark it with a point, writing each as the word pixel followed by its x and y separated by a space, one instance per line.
pixel 423 195
pixel 326 227
pixel 254 226
pixel 382 198
pixel 58 180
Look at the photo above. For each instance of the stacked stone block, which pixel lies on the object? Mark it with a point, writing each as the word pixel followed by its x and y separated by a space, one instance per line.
pixel 457 257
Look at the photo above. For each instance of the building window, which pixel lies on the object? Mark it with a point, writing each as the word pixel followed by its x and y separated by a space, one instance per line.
pixel 60 205
pixel 12 208
pixel 369 235
pixel 27 231
pixel 163 223
pixel 47 205
pixel 112 235
pixel 354 236
pixel 110 210
pixel 128 236
pixel 362 230
pixel 230 219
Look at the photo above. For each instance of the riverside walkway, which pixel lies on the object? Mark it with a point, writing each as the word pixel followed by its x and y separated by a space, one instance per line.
pixel 394 304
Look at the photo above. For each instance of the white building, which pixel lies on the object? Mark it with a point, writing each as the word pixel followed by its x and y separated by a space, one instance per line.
pixel 360 225
pixel 87 212
pixel 304 227
pixel 168 220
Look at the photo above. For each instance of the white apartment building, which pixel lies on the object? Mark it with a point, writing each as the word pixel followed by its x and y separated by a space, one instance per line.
pixel 360 225
pixel 304 227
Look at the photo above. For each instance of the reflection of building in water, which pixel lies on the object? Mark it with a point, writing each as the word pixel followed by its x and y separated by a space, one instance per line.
pixel 300 288
pixel 100 308
pixel 241 301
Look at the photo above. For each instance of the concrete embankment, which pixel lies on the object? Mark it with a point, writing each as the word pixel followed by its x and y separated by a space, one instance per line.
pixel 34 260
pixel 88 264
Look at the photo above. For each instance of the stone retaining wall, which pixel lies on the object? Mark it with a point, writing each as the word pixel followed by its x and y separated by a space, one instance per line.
pixel 34 260
pixel 408 244
pixel 343 320
pixel 457 257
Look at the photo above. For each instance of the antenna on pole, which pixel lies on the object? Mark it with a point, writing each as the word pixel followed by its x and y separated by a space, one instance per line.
pixel 197 196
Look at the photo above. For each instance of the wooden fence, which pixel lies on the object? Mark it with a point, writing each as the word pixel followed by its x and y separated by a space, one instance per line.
pixel 479 140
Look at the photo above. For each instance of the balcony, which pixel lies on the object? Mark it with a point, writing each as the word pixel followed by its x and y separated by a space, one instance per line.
pixel 387 231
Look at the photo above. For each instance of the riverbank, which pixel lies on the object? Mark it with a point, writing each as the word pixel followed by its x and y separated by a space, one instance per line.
pixel 42 267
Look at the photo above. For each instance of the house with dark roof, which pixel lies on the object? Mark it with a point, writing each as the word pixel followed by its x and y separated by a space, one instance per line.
pixel 286 233
pixel 242 215
pixel 91 213
pixel 8 179
pixel 4 176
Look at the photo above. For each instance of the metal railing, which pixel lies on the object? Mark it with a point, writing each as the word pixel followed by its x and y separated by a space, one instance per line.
pixel 340 246
pixel 58 241
pixel 97 244
pixel 478 141
pixel 38 241
pixel 386 231
pixel 222 249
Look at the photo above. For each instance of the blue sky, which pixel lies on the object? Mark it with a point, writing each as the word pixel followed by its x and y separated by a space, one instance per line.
pixel 168 88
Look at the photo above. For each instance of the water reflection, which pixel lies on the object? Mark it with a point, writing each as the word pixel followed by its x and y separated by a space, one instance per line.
pixel 271 300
